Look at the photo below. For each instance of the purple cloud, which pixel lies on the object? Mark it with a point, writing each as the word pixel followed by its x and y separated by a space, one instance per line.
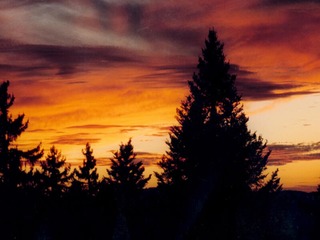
pixel 286 153
pixel 39 59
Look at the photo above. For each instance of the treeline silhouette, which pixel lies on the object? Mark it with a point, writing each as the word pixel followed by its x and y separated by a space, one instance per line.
pixel 212 185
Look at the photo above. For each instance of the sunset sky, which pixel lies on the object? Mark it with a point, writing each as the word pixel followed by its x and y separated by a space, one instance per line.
pixel 102 71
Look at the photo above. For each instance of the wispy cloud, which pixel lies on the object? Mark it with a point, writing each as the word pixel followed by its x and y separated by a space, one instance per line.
pixel 39 130
pixel 256 89
pixel 105 126
pixel 115 66
pixel 61 60
pixel 75 139
pixel 94 126
pixel 286 153
pixel 285 2
pixel 251 87
pixel 148 158
pixel 55 38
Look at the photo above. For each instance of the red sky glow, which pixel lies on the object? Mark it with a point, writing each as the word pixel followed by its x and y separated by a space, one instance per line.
pixel 103 71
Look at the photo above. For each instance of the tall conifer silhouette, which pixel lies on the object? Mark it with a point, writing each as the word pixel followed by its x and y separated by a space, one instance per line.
pixel 213 159
pixel 127 180
pixel 126 174
pixel 87 174
pixel 12 159
pixel 212 143
pixel 54 174
pixel 273 184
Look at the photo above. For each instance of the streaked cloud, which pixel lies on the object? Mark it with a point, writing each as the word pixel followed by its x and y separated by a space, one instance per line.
pixel 286 2
pixel 286 153
pixel 106 126
pixel 35 60
pixel 102 71
pixel 94 126
pixel 62 38
pixel 148 158
pixel 74 139
pixel 252 88
pixel 41 130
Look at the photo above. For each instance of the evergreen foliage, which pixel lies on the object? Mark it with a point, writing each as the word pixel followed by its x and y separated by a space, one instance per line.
pixel 211 152
pixel 54 174
pixel 87 174
pixel 212 143
pixel 273 184
pixel 12 159
pixel 125 173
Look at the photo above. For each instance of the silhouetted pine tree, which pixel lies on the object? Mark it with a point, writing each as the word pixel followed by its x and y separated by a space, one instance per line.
pixel 54 174
pixel 13 172
pixel 28 160
pixel 126 174
pixel 273 184
pixel 87 174
pixel 126 179
pixel 212 156
pixel 212 143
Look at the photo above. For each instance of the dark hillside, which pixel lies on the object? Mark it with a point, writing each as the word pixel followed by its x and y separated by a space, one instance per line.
pixel 282 215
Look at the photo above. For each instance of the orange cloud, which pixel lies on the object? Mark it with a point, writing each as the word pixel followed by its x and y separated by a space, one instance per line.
pixel 104 71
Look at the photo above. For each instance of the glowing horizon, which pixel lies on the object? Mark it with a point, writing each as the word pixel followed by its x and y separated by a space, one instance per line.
pixel 105 71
